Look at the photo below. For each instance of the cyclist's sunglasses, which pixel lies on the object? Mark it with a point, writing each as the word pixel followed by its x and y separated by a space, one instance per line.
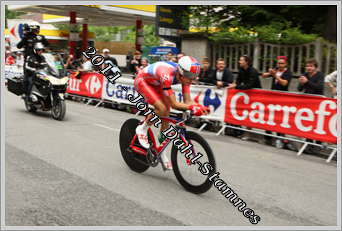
pixel 188 74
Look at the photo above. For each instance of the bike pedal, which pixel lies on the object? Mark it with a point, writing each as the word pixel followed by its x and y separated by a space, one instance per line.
pixel 151 158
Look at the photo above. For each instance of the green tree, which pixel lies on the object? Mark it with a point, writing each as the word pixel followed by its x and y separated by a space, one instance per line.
pixel 269 21
pixel 203 17
pixel 10 14
pixel 150 38
pixel 107 33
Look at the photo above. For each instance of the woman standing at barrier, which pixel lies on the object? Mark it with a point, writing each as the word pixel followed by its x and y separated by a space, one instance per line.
pixel 331 81
pixel 281 78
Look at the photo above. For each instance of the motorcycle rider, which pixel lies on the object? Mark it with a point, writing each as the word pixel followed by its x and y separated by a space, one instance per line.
pixel 30 38
pixel 34 62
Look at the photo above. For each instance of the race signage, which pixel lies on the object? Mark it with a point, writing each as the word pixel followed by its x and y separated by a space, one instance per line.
pixel 163 50
pixel 208 96
pixel 169 21
pixel 89 84
pixel 308 116
pixel 119 91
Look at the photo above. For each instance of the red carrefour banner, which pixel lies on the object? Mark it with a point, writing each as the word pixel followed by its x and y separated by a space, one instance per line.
pixel 301 115
pixel 89 84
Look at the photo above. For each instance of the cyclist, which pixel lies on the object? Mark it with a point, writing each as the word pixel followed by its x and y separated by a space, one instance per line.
pixel 154 83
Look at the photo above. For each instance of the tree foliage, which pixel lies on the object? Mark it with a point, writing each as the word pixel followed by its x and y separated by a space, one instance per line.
pixel 10 14
pixel 270 23
pixel 107 33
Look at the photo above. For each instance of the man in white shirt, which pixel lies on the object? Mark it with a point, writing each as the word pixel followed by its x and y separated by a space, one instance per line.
pixel 19 61
pixel 86 65
pixel 222 75
pixel 330 80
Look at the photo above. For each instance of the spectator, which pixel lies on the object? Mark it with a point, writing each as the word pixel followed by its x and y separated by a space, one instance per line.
pixel 169 56
pixel 19 61
pixel 248 76
pixel 69 64
pixel 86 65
pixel 144 63
pixel 7 44
pixel 129 58
pixel 180 55
pixel 135 62
pixel 207 72
pixel 330 80
pixel 58 62
pixel 222 76
pixel 281 77
pixel 108 58
pixel 312 81
pixel 9 58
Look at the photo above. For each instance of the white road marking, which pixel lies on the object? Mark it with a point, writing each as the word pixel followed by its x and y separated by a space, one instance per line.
pixel 106 127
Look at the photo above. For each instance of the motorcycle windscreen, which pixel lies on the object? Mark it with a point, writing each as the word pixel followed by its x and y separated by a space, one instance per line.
pixel 55 65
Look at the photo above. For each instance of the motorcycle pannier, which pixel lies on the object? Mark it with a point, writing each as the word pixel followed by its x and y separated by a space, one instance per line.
pixel 15 85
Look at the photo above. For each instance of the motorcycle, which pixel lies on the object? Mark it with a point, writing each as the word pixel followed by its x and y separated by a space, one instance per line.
pixel 49 87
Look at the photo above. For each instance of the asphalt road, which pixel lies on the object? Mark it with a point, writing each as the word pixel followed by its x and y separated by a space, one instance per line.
pixel 72 173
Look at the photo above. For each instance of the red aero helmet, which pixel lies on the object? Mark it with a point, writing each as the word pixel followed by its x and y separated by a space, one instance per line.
pixel 189 67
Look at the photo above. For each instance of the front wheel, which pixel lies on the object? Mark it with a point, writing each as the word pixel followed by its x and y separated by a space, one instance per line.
pixel 194 177
pixel 58 109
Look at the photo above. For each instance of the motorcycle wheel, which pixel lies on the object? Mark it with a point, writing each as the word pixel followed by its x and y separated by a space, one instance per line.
pixel 58 109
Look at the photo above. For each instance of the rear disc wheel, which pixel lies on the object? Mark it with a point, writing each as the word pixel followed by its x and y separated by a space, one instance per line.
pixel 135 162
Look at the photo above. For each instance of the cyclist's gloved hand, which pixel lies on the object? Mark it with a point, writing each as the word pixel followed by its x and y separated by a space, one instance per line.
pixel 198 109
pixel 204 108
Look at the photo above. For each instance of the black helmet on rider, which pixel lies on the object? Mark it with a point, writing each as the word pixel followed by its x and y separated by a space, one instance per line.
pixel 189 67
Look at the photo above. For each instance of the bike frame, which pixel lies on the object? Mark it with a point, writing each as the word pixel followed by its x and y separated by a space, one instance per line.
pixel 180 127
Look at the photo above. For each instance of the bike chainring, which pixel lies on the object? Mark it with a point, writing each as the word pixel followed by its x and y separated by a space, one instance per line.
pixel 152 158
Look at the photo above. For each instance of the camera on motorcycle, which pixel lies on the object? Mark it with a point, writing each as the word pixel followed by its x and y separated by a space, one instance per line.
pixel 31 29
pixel 26 27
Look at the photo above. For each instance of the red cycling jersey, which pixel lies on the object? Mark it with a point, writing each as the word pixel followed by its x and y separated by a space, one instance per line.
pixel 155 80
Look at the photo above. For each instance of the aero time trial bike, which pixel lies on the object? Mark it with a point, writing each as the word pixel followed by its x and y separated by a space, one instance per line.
pixel 187 173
